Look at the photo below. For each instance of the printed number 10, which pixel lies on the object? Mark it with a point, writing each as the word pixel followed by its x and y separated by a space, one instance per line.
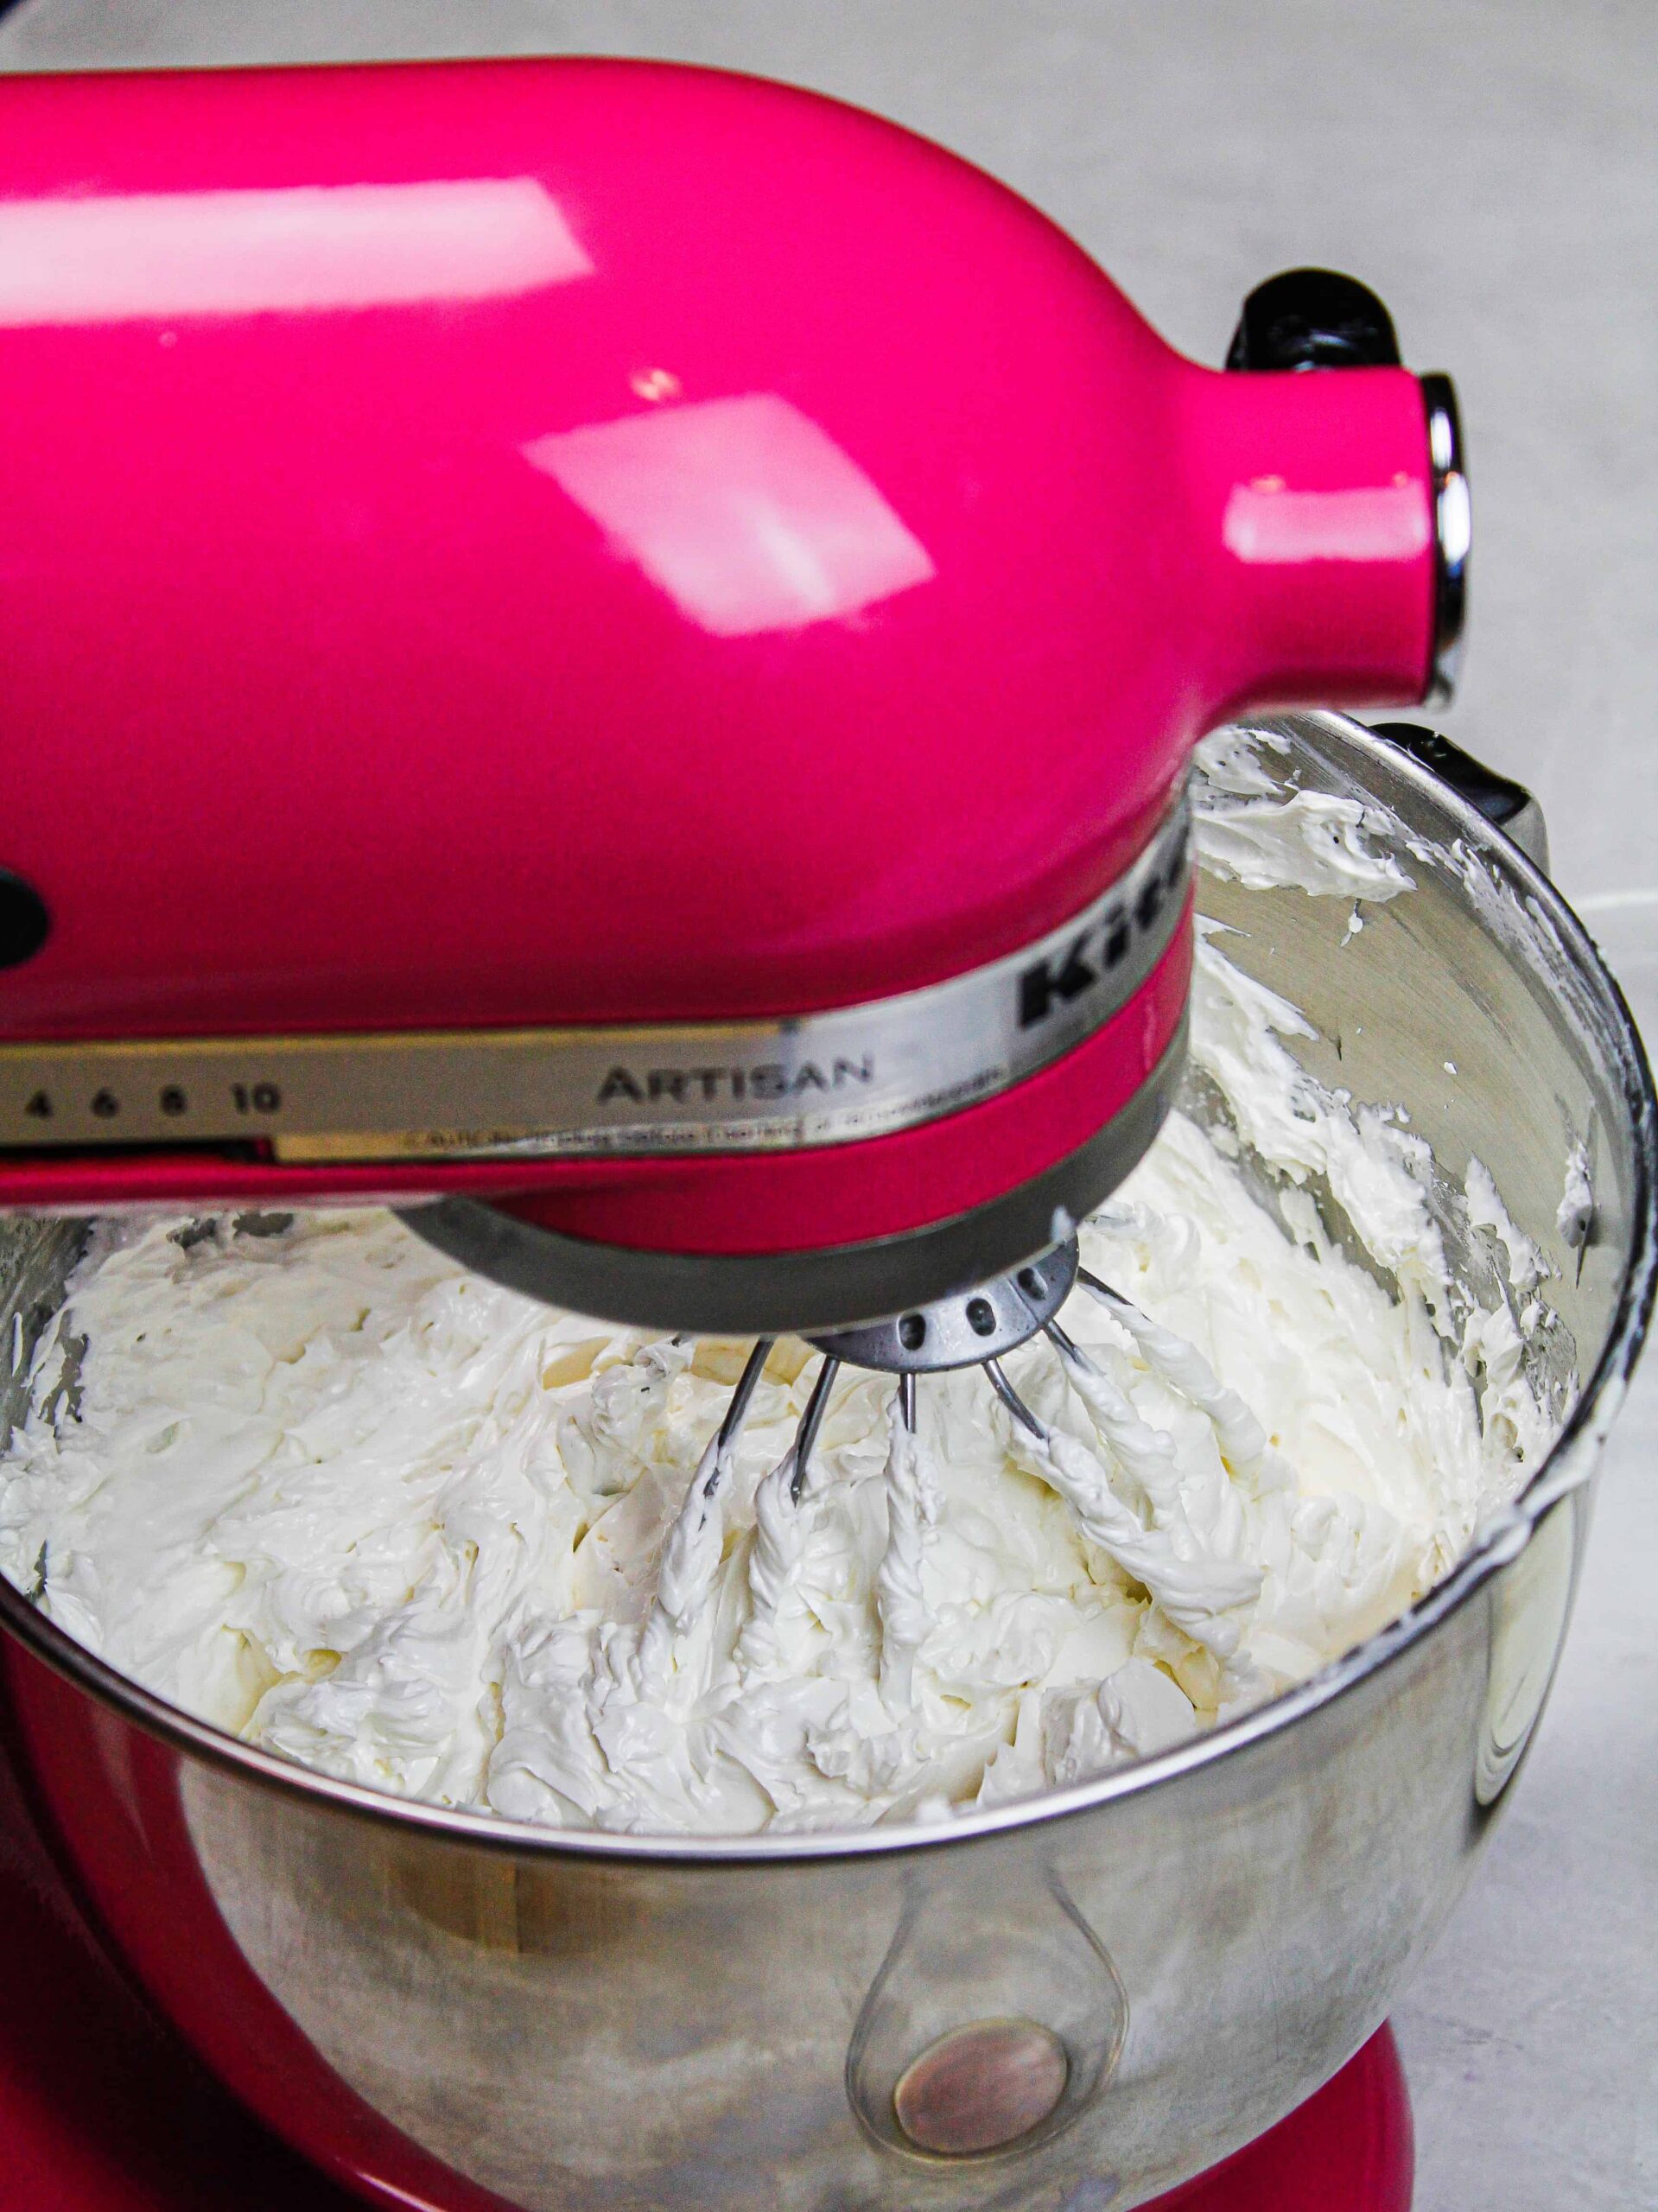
pixel 255 1097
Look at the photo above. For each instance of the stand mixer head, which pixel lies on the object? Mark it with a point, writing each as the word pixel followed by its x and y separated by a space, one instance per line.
pixel 606 653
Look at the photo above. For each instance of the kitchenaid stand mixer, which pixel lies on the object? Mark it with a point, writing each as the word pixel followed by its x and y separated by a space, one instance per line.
pixel 608 655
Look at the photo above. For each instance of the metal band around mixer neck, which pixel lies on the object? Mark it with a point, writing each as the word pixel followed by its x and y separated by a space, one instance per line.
pixel 829 1077
pixel 1453 531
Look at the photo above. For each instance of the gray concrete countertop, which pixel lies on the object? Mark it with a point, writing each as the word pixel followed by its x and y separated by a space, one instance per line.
pixel 1491 166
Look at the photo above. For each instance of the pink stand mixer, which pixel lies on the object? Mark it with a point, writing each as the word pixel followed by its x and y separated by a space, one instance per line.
pixel 607 654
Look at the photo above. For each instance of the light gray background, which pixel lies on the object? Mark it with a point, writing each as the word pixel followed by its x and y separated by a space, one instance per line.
pixel 1491 166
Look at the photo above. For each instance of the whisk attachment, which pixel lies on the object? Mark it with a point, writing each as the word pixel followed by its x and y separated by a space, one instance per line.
pixel 810 1422
pixel 971 1329
pixel 1070 1353
pixel 1104 1292
pixel 1187 1568
pixel 812 1419
pixel 975 1328
pixel 737 1411
pixel 1015 1405
pixel 967 1329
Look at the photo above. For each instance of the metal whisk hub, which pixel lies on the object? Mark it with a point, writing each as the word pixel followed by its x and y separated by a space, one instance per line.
pixel 977 1325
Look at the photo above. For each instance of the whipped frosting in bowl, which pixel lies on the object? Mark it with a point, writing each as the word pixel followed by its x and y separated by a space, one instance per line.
pixel 321 1487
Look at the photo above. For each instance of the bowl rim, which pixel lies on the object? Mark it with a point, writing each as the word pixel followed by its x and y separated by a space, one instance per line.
pixel 1569 1465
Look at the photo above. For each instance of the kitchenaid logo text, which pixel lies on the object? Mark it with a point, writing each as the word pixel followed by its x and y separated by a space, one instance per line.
pixel 1095 952
pixel 689 1086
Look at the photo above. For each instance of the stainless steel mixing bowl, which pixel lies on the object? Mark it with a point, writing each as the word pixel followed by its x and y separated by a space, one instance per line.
pixel 461 2012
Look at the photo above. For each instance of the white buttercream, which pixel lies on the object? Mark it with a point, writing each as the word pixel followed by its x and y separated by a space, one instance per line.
pixel 1251 832
pixel 1525 1265
pixel 900 1596
pixel 1576 1213
pixel 1376 1171
pixel 405 1526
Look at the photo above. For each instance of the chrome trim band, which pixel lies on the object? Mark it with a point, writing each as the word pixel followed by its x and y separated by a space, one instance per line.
pixel 830 1077
pixel 1453 531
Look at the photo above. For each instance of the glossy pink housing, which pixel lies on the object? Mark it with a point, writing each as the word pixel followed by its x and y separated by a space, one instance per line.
pixel 548 542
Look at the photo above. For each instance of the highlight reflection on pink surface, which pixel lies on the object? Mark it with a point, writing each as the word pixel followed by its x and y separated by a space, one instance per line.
pixel 157 256
pixel 1266 522
pixel 743 510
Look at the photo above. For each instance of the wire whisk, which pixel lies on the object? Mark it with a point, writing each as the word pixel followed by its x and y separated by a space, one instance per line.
pixel 975 1328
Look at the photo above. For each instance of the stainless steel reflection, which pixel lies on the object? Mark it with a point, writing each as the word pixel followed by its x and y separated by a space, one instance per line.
pixel 583 2021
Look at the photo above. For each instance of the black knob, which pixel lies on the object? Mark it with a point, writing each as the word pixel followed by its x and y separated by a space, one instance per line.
pixel 24 922
pixel 1313 319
